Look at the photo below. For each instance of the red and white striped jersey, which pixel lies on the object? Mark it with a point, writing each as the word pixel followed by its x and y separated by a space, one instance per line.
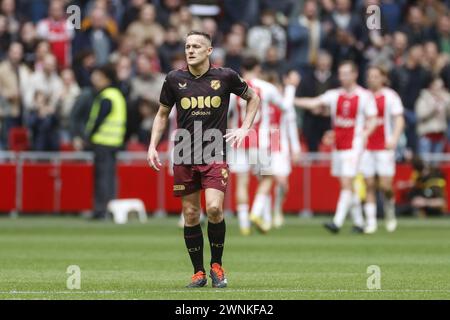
pixel 268 94
pixel 389 105
pixel 348 112
pixel 59 34
pixel 284 122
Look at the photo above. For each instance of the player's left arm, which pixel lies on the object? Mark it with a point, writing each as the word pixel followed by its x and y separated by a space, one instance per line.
pixel 371 117
pixel 237 136
pixel 399 126
pixel 399 122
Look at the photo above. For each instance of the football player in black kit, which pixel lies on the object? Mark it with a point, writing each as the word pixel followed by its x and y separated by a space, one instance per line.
pixel 201 95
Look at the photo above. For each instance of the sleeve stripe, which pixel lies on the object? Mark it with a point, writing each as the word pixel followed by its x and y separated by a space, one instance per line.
pixel 165 105
pixel 245 90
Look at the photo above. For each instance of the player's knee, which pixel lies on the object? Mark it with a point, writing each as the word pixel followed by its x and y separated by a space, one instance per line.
pixel 214 211
pixel 370 186
pixel 191 215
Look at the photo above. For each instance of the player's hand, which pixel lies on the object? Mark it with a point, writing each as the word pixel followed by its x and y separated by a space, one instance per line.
pixel 391 145
pixel 236 136
pixel 293 78
pixel 153 159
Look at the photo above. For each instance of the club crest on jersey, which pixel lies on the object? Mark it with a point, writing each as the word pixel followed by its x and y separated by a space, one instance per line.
pixel 215 84
pixel 182 86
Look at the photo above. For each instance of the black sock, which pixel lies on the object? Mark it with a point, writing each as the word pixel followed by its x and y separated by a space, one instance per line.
pixel 216 235
pixel 193 237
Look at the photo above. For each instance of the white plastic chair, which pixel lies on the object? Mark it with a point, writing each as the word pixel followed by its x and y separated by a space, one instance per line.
pixel 120 209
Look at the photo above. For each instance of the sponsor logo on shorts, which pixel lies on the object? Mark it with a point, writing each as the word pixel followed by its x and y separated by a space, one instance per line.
pixel 224 173
pixel 179 187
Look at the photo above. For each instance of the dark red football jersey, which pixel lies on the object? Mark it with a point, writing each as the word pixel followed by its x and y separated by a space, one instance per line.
pixel 202 104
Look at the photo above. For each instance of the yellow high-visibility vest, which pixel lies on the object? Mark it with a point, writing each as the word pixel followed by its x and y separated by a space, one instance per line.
pixel 111 131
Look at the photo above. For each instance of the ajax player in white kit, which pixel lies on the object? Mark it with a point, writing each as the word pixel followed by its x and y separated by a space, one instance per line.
pixel 255 152
pixel 353 113
pixel 379 157
pixel 288 148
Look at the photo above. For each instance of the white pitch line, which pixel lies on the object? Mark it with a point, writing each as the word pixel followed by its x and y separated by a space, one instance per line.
pixel 229 291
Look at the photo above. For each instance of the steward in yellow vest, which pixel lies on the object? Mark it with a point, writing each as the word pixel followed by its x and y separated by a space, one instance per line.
pixel 105 131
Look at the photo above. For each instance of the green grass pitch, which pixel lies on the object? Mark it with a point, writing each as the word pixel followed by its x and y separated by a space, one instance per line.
pixel 149 261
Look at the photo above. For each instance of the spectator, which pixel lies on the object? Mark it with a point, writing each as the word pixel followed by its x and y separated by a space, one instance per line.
pixel 131 13
pixel 408 80
pixel 146 84
pixel 42 50
pixel 97 35
pixel 125 48
pixel 8 9
pixel 434 62
pixel 47 81
pixel 415 26
pixel 209 25
pixel 171 46
pixel 432 10
pixel 164 9
pixel 57 30
pixel 5 37
pixel 305 35
pixel 13 87
pixel 109 23
pixel 237 11
pixel 150 51
pixel 234 51
pixel 315 83
pixel 29 41
pixel 273 62
pixel 342 18
pixel 441 34
pixel 344 31
pixel 392 13
pixel 427 196
pixel 393 54
pixel 34 10
pixel 124 75
pixel 43 124
pixel 146 28
pixel 184 21
pixel 268 34
pixel 432 111
pixel 69 94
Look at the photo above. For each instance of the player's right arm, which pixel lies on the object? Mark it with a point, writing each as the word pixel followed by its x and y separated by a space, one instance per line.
pixel 167 100
pixel 159 126
pixel 308 103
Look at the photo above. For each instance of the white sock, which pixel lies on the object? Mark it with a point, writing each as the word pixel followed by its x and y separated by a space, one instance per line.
pixel 258 205
pixel 389 209
pixel 244 222
pixel 370 210
pixel 279 197
pixel 356 211
pixel 267 213
pixel 343 206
